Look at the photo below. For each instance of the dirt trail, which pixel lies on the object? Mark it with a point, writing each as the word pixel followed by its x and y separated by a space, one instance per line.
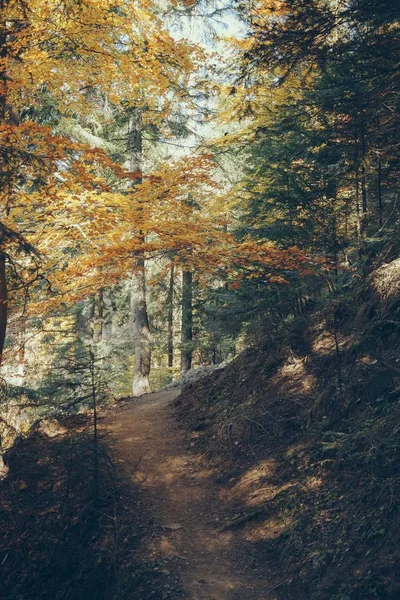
pixel 178 490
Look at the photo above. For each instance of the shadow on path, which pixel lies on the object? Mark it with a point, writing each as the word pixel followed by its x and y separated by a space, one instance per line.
pixel 178 490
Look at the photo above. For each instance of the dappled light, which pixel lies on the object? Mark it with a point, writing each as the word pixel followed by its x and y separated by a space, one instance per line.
pixel 189 533
pixel 199 299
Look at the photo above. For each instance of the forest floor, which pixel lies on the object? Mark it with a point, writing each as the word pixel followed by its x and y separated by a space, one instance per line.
pixel 250 484
pixel 178 492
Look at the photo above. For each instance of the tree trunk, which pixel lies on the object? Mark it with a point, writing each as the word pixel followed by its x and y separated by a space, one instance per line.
pixel 291 225
pixel 99 317
pixel 3 118
pixel 364 221
pixel 141 331
pixel 107 330
pixel 140 320
pixel 357 153
pixel 187 321
pixel 358 212
pixel 379 184
pixel 3 73
pixel 170 308
pixel 214 353
pixel 3 304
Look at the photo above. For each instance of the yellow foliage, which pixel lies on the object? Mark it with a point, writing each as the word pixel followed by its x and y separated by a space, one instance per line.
pixel 86 230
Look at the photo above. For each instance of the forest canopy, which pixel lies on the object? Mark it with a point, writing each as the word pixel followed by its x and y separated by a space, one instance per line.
pixel 230 173
pixel 199 299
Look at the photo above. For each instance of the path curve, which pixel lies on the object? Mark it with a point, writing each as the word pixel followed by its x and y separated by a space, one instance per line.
pixel 179 491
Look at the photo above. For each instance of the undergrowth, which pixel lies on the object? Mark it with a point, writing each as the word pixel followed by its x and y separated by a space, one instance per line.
pixel 64 534
pixel 305 436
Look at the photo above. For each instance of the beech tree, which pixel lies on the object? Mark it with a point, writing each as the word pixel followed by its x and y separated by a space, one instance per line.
pixel 79 214
pixel 139 315
pixel 68 51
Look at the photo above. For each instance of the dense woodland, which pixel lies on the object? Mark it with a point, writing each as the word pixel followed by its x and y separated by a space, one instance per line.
pixel 198 184
pixel 112 239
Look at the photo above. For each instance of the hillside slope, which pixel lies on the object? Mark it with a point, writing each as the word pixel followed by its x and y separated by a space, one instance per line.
pixel 305 434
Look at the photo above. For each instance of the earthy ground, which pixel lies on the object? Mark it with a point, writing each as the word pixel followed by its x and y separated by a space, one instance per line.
pixel 226 493
pixel 178 491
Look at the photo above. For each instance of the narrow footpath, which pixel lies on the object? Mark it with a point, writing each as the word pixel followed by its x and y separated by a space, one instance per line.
pixel 178 490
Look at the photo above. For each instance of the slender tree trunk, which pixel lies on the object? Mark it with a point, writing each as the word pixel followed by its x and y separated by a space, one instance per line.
pixel 187 321
pixel 358 212
pixel 357 177
pixel 331 195
pixel 380 204
pixel 141 331
pixel 3 118
pixel 3 304
pixel 214 353
pixel 170 308
pixel 93 385
pixel 364 221
pixel 3 73
pixel 335 245
pixel 140 320
pixel 108 315
pixel 99 317
pixel 292 235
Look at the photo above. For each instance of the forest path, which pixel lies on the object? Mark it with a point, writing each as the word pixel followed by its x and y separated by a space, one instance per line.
pixel 177 489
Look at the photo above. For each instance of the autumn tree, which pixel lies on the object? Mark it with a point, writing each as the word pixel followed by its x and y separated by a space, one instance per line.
pixel 139 314
pixel 71 55
pixel 80 208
